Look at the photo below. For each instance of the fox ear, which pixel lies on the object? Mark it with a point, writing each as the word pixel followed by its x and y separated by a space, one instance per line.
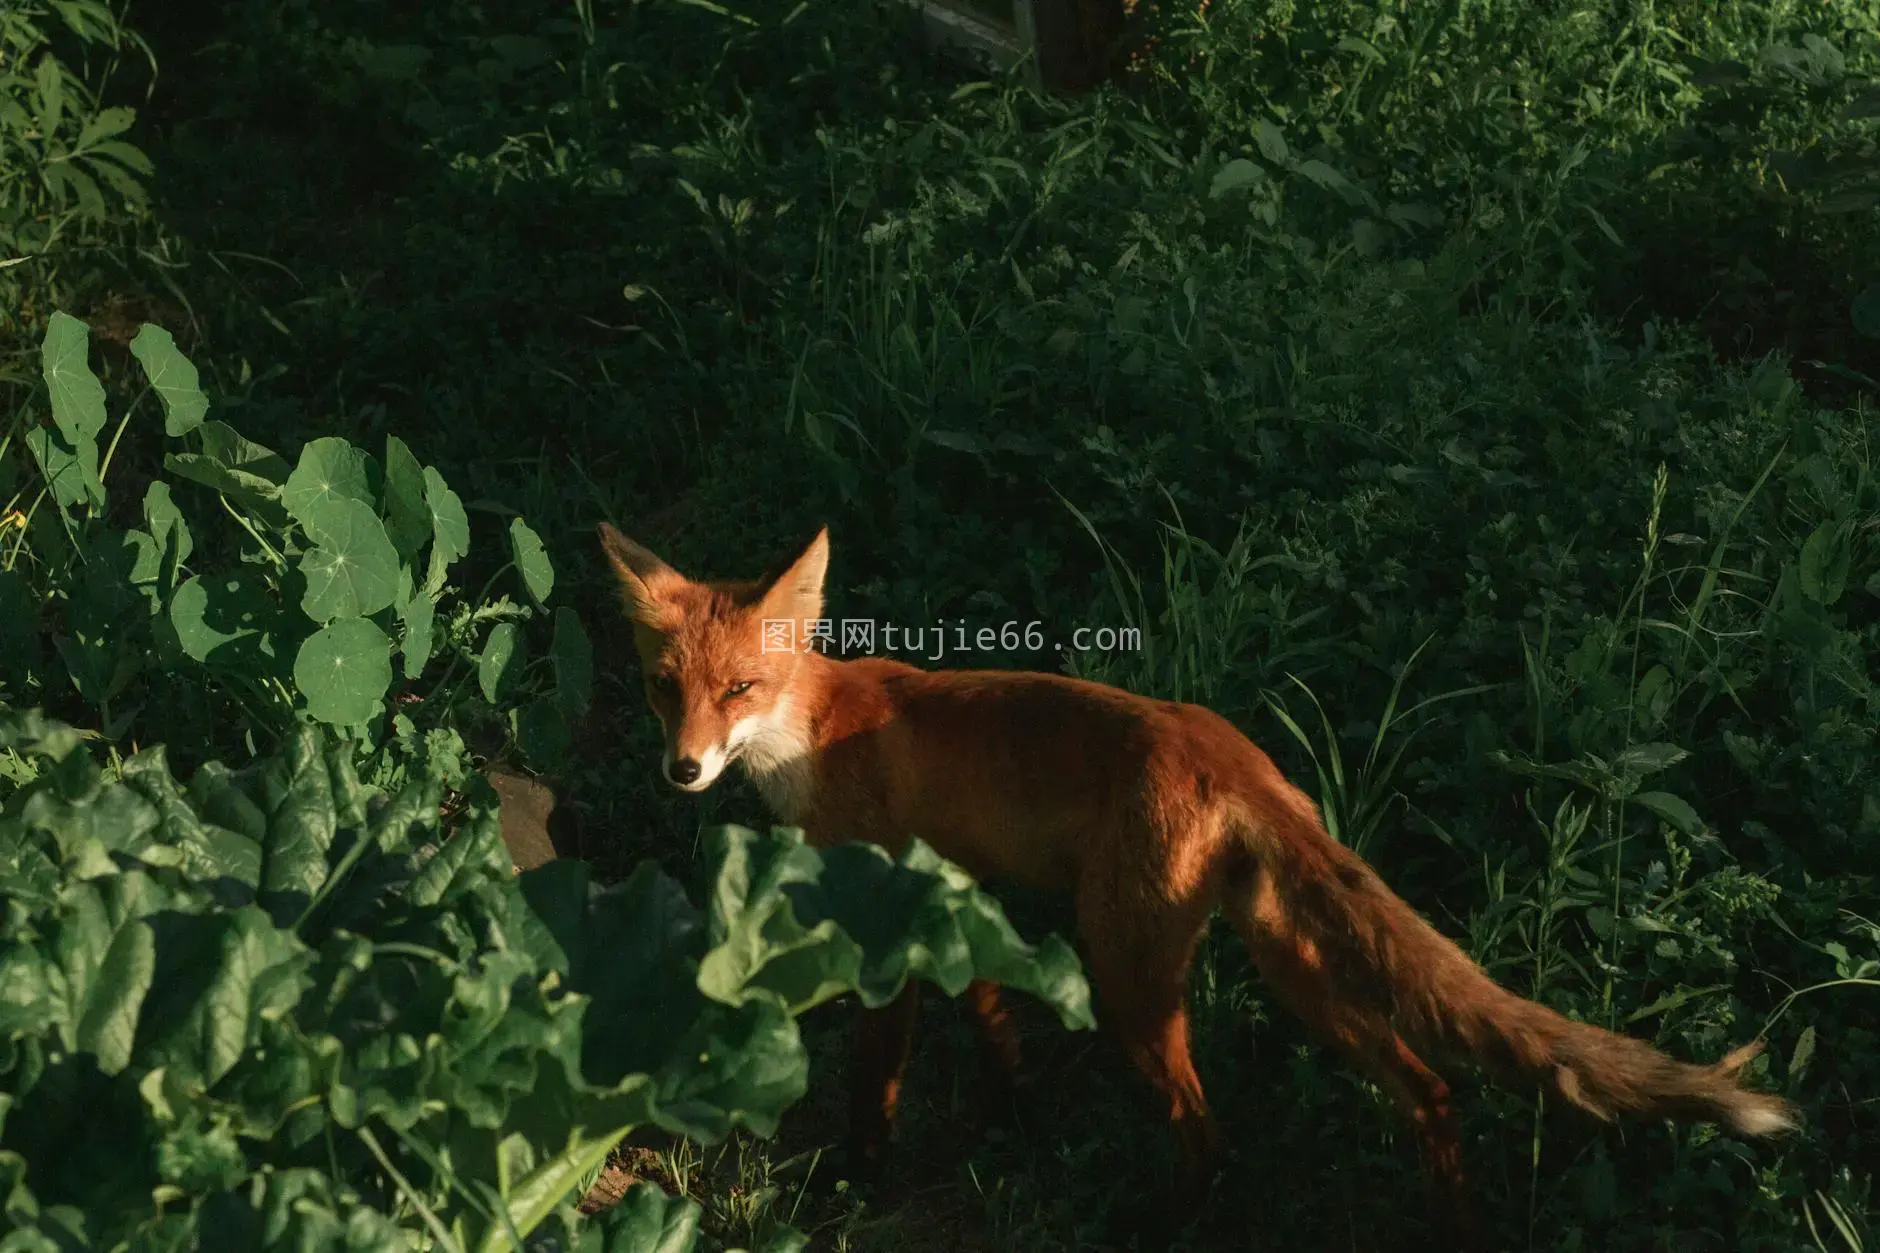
pixel 797 593
pixel 639 572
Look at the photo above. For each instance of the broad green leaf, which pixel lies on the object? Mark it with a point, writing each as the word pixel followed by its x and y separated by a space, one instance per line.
pixel 918 916
pixel 1330 179
pixel 306 793
pixel 176 382
pixel 212 853
pixel 646 1220
pixel 247 473
pixel 1826 556
pixel 474 855
pixel 1673 809
pixel 344 671
pixel 450 527
pixel 222 972
pixel 1804 1051
pixel 331 478
pixel 632 947
pixel 354 571
pixel 525 548
pixel 499 1034
pixel 105 123
pixel 1272 142
pixel 1236 175
pixel 419 617
pixel 88 825
pixel 500 665
pixel 108 957
pixel 229 447
pixel 300 1210
pixel 572 655
pixel 51 93
pixel 28 1004
pixel 407 517
pixel 202 1157
pixel 1643 759
pixel 77 395
pixel 227 620
pixel 170 542
pixel 30 733
pixel 71 475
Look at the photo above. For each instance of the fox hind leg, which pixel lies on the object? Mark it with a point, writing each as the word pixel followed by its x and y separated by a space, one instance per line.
pixel 1138 960
pixel 883 1040
pixel 1293 969
pixel 999 1054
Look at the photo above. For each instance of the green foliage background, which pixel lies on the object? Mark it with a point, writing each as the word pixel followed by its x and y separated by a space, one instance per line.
pixel 1472 400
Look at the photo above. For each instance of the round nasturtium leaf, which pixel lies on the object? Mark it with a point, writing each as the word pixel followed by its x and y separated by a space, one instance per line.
pixel 449 523
pixel 331 474
pixel 419 615
pixel 407 517
pixel 525 547
pixel 223 618
pixel 344 671
pixel 354 571
pixel 501 662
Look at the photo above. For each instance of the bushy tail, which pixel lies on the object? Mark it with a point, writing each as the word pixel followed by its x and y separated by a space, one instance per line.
pixel 1314 903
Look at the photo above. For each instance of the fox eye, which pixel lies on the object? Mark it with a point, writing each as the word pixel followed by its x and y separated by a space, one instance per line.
pixel 664 684
pixel 738 689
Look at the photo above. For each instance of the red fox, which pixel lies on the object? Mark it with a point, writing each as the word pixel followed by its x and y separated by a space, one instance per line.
pixel 1151 814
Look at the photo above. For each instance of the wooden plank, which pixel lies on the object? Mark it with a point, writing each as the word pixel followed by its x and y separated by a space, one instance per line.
pixel 1064 45
pixel 968 32
pixel 526 806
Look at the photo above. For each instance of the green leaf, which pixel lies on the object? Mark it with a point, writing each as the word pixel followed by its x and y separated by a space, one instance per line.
pixel 354 571
pixel 646 1220
pixel 1826 556
pixel 407 516
pixel 77 395
pixel 419 617
pixel 108 958
pixel 450 528
pixel 1331 180
pixel 226 620
pixel 1272 142
pixel 304 795
pixel 501 663
pixel 331 478
pixel 572 655
pixel 344 671
pixel 71 474
pixel 1673 809
pixel 1643 759
pixel 802 925
pixel 1236 175
pixel 223 973
pixel 210 853
pixel 176 382
pixel 526 550
pixel 248 473
pixel 171 542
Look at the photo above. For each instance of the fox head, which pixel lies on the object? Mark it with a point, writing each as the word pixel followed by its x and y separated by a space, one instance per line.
pixel 718 680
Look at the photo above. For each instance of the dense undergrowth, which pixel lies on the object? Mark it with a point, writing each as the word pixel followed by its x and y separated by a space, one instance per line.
pixel 1472 400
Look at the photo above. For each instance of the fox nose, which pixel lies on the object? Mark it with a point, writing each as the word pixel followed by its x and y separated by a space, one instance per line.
pixel 683 771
